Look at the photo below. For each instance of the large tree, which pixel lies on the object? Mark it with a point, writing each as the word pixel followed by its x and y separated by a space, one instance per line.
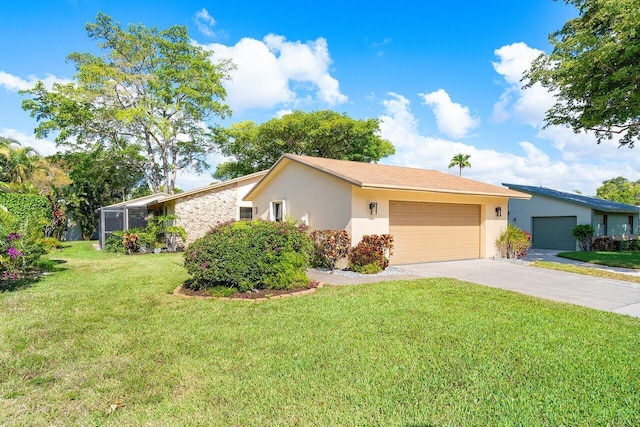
pixel 99 177
pixel 621 190
pixel 151 87
pixel 320 133
pixel 594 69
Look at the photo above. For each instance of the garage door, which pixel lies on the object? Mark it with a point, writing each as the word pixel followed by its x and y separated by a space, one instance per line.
pixel 434 231
pixel 554 232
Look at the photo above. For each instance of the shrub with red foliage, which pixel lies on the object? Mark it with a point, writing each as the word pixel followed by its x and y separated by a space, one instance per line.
pixel 372 253
pixel 329 247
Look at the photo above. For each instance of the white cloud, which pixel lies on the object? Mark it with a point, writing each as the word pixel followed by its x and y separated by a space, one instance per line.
pixel 44 147
pixel 14 83
pixel 524 105
pixel 205 23
pixel 273 72
pixel 529 165
pixel 453 119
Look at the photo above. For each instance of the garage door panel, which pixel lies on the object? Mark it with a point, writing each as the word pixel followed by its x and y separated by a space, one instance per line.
pixel 434 232
pixel 553 232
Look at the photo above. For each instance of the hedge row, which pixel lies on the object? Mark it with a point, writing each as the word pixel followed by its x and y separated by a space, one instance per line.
pixel 26 206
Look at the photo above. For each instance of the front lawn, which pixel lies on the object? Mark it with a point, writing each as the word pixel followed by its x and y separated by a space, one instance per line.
pixel 104 329
pixel 612 259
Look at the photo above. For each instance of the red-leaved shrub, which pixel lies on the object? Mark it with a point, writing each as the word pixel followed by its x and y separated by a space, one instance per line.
pixel 372 253
pixel 329 247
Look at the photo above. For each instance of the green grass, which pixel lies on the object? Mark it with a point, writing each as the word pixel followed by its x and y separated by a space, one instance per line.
pixel 588 271
pixel 613 259
pixel 407 353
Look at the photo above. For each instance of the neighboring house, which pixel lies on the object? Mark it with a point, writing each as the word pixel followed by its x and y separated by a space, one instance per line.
pixel 201 209
pixel 197 210
pixel 551 215
pixel 432 216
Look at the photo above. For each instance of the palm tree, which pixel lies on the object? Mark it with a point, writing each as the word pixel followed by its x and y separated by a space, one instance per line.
pixel 17 163
pixel 460 160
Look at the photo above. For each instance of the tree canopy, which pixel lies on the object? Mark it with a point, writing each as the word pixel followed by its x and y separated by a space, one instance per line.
pixel 594 69
pixel 460 160
pixel 151 88
pixel 621 190
pixel 320 133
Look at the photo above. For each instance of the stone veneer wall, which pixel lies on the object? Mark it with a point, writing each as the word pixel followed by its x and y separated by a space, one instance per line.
pixel 200 212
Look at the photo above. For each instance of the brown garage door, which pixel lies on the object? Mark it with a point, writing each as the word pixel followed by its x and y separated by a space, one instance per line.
pixel 434 231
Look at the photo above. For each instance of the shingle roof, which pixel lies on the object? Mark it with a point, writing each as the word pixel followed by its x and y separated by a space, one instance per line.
pixel 592 202
pixel 376 176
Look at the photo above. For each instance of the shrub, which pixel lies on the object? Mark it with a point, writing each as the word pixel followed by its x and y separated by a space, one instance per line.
pixel 513 242
pixel 20 246
pixel 33 207
pixel 602 243
pixel 114 242
pixel 131 242
pixel 249 255
pixel 371 254
pixel 329 247
pixel 584 234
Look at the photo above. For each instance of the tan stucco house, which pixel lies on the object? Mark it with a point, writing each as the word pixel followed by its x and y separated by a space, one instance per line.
pixel 433 216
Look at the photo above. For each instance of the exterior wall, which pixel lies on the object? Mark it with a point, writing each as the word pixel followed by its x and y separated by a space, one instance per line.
pixel 521 212
pixel 199 212
pixel 324 200
pixel 364 223
pixel 617 224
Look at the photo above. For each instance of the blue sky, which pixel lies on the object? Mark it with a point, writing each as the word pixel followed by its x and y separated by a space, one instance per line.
pixel 442 76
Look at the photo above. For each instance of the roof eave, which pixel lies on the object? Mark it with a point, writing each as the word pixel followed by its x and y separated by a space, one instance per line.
pixel 513 195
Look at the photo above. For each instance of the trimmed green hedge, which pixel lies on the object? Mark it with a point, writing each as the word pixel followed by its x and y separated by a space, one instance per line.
pixel 23 206
pixel 250 255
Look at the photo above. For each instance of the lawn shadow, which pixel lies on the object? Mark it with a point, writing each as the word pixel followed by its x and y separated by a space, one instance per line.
pixel 17 284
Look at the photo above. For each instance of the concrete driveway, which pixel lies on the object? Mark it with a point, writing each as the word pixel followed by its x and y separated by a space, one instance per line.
pixel 602 294
pixel 518 276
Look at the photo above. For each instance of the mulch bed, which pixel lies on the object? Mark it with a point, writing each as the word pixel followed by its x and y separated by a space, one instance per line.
pixel 257 295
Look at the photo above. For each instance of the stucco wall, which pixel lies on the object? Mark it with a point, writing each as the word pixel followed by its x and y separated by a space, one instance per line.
pixel 324 200
pixel 617 224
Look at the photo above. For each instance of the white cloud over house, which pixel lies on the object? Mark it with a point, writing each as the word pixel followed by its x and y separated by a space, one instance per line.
pixel 453 119
pixel 44 147
pixel 275 72
pixel 526 165
pixel 205 23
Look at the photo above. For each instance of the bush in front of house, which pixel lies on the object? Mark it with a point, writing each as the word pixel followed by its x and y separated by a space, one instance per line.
pixel 248 255
pixel 583 233
pixel 371 254
pixel 329 247
pixel 513 242
pixel 602 243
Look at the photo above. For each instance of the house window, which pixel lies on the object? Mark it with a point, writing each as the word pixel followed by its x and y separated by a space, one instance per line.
pixel 603 225
pixel 630 230
pixel 246 214
pixel 278 211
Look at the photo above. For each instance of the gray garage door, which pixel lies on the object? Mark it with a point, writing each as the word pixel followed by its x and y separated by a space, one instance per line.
pixel 554 232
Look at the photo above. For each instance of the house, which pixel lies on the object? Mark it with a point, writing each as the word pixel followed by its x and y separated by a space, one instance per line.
pixel 200 209
pixel 432 216
pixel 197 210
pixel 550 216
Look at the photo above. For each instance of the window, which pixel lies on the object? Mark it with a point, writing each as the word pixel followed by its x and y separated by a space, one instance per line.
pixel 630 230
pixel 277 211
pixel 246 214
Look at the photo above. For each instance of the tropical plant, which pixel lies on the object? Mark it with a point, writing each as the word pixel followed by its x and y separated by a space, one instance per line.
pixel 460 160
pixel 513 242
pixel 330 246
pixel 371 254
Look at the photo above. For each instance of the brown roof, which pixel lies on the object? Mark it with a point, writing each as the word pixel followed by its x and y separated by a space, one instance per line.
pixel 376 176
